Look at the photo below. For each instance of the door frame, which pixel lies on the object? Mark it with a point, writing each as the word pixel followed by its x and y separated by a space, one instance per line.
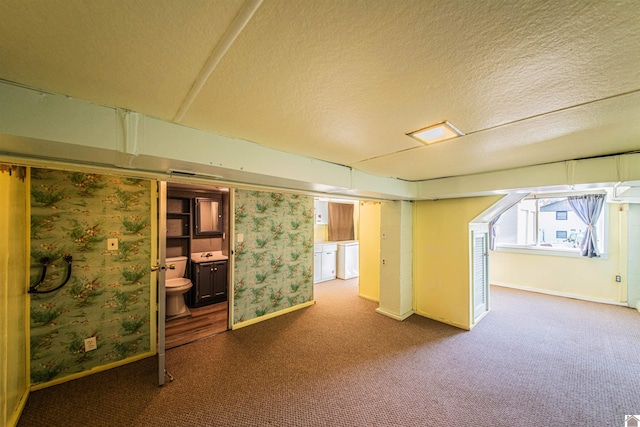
pixel 475 230
pixel 160 268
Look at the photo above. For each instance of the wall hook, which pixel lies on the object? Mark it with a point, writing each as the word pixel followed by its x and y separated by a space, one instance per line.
pixel 45 261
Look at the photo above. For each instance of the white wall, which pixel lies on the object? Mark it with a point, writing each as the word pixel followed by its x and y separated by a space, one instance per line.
pixel 396 254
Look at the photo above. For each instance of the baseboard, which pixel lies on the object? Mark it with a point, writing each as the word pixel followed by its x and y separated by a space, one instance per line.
pixel 443 320
pixel 394 316
pixel 15 417
pixel 476 321
pixel 559 294
pixel 91 371
pixel 271 315
pixel 369 298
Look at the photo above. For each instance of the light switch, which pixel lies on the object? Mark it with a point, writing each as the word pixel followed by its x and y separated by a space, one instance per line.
pixel 112 244
pixel 240 237
pixel 384 234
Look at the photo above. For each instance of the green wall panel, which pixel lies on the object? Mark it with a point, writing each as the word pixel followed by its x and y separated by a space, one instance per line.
pixel 274 264
pixel 108 295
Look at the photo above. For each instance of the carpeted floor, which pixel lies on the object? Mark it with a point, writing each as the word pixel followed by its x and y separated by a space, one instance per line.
pixel 535 360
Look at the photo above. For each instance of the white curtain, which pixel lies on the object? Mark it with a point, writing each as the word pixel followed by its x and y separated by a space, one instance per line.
pixel 588 209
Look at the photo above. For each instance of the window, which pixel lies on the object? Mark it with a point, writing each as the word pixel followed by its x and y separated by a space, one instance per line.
pixel 561 235
pixel 546 224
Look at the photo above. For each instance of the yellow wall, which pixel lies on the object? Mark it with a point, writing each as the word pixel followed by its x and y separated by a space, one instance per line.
pixel 369 232
pixel 321 232
pixel 441 258
pixel 13 298
pixel 582 277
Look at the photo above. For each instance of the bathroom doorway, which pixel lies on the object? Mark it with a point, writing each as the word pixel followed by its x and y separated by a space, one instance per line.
pixel 197 246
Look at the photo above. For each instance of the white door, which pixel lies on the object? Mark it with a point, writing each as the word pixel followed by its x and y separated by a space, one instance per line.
pixel 480 274
pixel 328 265
pixel 160 269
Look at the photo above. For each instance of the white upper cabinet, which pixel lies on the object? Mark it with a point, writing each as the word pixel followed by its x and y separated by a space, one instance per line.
pixel 321 211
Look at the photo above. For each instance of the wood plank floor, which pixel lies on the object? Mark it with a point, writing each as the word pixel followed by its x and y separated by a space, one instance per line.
pixel 203 322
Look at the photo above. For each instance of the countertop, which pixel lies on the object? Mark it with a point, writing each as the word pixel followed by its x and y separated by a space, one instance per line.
pixel 208 256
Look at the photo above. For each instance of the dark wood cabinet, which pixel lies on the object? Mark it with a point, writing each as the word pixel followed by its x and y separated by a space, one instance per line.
pixel 220 280
pixel 209 219
pixel 209 283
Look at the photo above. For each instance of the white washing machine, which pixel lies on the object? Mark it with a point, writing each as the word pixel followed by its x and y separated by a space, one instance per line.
pixel 348 259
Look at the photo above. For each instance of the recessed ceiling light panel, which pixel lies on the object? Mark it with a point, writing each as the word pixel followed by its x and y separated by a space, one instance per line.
pixel 436 133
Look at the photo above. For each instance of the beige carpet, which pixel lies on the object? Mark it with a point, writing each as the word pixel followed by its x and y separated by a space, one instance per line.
pixel 535 360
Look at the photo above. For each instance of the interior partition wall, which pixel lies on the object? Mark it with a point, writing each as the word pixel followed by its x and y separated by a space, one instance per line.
pixel 633 256
pixel 106 224
pixel 14 304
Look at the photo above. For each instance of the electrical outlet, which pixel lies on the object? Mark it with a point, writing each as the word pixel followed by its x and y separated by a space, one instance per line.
pixel 90 344
pixel 384 261
pixel 618 278
pixel 112 244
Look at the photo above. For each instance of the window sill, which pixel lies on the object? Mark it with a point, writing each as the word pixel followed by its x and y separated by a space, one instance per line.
pixel 537 250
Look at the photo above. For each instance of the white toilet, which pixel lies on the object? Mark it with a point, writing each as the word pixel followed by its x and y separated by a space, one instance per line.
pixel 176 286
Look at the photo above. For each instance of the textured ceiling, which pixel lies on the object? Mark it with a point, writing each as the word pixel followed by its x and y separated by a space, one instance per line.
pixel 344 81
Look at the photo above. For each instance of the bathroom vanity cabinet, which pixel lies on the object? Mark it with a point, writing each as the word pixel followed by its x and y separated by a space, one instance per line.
pixel 209 283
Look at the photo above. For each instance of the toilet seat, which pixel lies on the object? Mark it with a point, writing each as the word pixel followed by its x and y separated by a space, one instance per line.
pixel 176 283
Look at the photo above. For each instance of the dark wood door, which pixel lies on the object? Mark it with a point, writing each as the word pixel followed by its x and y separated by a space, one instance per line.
pixel 204 283
pixel 220 280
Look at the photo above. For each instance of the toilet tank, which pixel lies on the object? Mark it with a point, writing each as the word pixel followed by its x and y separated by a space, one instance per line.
pixel 181 265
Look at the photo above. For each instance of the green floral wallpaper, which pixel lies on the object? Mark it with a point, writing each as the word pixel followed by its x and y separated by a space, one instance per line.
pixel 108 295
pixel 274 263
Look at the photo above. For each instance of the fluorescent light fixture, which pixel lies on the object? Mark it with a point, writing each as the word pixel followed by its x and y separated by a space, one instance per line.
pixel 436 133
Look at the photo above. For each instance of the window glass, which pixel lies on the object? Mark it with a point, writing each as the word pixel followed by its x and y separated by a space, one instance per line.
pixel 544 223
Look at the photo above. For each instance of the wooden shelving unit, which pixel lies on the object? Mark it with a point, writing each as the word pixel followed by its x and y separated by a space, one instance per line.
pixel 178 227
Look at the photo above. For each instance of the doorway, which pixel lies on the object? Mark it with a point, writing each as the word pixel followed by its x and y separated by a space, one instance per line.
pixel 197 247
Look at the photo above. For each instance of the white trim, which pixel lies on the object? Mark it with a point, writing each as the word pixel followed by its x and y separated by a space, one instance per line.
pixel 394 316
pixel 559 294
pixel 561 194
pixel 539 250
pixel 480 317
pixel 443 320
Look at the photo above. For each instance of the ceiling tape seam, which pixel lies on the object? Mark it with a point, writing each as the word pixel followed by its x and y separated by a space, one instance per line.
pixel 535 116
pixel 241 20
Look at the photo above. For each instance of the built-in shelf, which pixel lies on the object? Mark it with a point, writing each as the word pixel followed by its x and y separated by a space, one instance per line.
pixel 178 226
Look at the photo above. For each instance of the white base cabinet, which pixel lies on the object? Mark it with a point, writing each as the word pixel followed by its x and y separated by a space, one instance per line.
pixel 324 259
